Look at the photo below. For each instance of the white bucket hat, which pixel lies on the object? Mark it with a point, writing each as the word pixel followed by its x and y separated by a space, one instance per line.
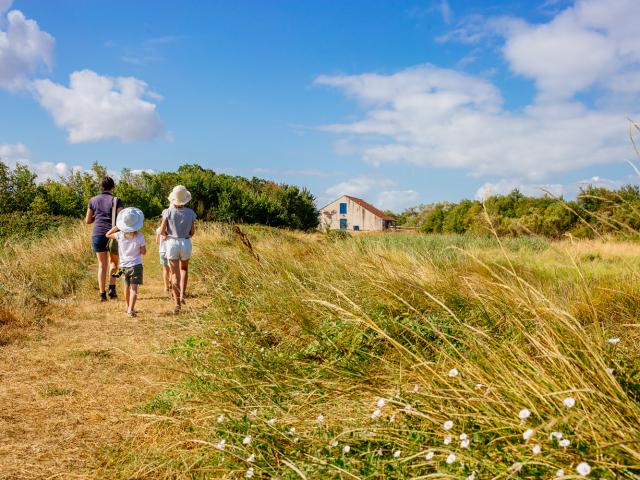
pixel 180 195
pixel 130 220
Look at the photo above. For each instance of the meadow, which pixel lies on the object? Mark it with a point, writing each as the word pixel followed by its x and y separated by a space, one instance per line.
pixel 376 356
pixel 401 356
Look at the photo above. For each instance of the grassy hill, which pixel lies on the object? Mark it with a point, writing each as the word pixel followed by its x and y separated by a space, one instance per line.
pixel 382 356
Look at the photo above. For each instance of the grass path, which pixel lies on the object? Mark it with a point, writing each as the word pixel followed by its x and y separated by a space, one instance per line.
pixel 74 387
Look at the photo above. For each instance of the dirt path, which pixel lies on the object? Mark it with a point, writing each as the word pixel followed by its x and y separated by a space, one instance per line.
pixel 74 387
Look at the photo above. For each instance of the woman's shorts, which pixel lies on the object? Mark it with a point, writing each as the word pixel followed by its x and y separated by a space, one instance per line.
pixel 163 259
pixel 99 243
pixel 178 248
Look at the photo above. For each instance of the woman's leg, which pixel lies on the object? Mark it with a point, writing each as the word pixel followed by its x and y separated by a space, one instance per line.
pixel 184 277
pixel 103 266
pixel 175 280
pixel 113 267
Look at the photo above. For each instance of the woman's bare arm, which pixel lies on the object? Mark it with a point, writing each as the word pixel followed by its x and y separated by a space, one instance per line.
pixel 89 218
pixel 193 229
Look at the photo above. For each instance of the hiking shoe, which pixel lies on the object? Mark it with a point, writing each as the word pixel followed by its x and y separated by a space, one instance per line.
pixel 176 310
pixel 103 296
pixel 112 292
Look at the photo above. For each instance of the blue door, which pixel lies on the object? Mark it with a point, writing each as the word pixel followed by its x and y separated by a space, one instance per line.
pixel 343 224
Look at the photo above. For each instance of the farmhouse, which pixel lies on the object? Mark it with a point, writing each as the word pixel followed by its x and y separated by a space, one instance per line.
pixel 351 213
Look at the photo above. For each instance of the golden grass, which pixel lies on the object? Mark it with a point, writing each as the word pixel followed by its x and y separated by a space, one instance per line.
pixel 327 328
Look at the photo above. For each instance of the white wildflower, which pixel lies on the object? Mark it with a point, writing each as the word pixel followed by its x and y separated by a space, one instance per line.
pixel 334 443
pixel 516 467
pixel 463 436
pixel 271 422
pixel 528 433
pixel 451 458
pixel 392 418
pixel 416 388
pixel 253 414
pixel 296 439
pixel 380 402
pixel 524 414
pixel 220 419
pixel 478 386
pixel 609 371
pixel 453 372
pixel 557 435
pixel 536 449
pixel 448 425
pixel 564 443
pixel 246 440
pixel 376 413
pixel 292 430
pixel 320 418
pixel 346 449
pixel 249 473
pixel 220 445
pixel 465 443
pixel 569 402
pixel 379 452
pixel 583 469
pixel 407 408
pixel 396 454
pixel 429 455
pixel 447 440
pixel 560 472
pixel 614 340
pixel 472 476
pixel 251 458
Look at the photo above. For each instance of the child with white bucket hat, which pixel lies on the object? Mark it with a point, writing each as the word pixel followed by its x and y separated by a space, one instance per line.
pixel 131 247
pixel 177 228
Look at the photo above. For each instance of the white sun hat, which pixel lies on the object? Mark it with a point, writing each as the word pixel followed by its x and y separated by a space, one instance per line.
pixel 130 220
pixel 180 195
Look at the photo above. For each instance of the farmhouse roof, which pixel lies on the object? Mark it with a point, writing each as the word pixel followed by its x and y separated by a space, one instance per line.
pixel 371 208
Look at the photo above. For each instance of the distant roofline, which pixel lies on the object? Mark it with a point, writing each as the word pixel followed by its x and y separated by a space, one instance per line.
pixel 364 204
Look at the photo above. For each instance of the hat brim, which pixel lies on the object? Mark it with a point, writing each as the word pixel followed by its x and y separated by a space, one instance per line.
pixel 129 228
pixel 175 201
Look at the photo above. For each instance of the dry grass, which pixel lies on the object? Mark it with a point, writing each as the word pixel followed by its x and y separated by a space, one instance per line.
pixel 327 328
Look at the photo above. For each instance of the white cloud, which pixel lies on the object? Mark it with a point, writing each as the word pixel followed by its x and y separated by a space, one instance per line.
pixel 24 49
pixel 18 153
pixel 445 11
pixel 95 107
pixel 356 186
pixel 397 200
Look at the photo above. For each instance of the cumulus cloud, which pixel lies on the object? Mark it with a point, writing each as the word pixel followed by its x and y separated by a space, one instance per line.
pixel 18 153
pixel 95 107
pixel 397 200
pixel 24 49
pixel 356 186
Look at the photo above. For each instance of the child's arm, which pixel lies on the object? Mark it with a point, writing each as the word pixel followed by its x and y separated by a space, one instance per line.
pixel 143 246
pixel 157 238
pixel 112 233
pixel 163 228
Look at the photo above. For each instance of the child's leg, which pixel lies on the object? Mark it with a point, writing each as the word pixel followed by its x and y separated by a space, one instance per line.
pixel 184 277
pixel 175 280
pixel 127 292
pixel 133 296
pixel 166 276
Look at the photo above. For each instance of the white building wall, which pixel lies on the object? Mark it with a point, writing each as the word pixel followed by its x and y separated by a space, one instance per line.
pixel 356 216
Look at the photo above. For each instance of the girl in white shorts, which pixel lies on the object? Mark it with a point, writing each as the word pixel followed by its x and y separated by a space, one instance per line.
pixel 177 228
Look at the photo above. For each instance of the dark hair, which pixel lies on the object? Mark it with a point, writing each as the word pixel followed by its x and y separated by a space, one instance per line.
pixel 107 184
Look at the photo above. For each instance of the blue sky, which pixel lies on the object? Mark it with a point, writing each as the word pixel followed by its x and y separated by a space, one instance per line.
pixel 399 102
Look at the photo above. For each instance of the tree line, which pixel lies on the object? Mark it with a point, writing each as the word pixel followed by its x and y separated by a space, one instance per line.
pixel 215 196
pixel 595 211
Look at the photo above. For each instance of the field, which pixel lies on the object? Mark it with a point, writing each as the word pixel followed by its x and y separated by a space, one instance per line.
pixel 390 356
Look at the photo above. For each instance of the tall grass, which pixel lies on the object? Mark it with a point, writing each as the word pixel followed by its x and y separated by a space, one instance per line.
pixel 347 358
pixel 35 273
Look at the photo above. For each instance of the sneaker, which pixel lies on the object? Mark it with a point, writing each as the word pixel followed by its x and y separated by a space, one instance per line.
pixel 103 296
pixel 176 309
pixel 132 313
pixel 112 292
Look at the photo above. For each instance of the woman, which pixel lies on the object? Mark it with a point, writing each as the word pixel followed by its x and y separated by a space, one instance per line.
pixel 102 212
pixel 177 228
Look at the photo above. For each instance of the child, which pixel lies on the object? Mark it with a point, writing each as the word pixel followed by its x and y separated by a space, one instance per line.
pixel 166 271
pixel 177 228
pixel 131 247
